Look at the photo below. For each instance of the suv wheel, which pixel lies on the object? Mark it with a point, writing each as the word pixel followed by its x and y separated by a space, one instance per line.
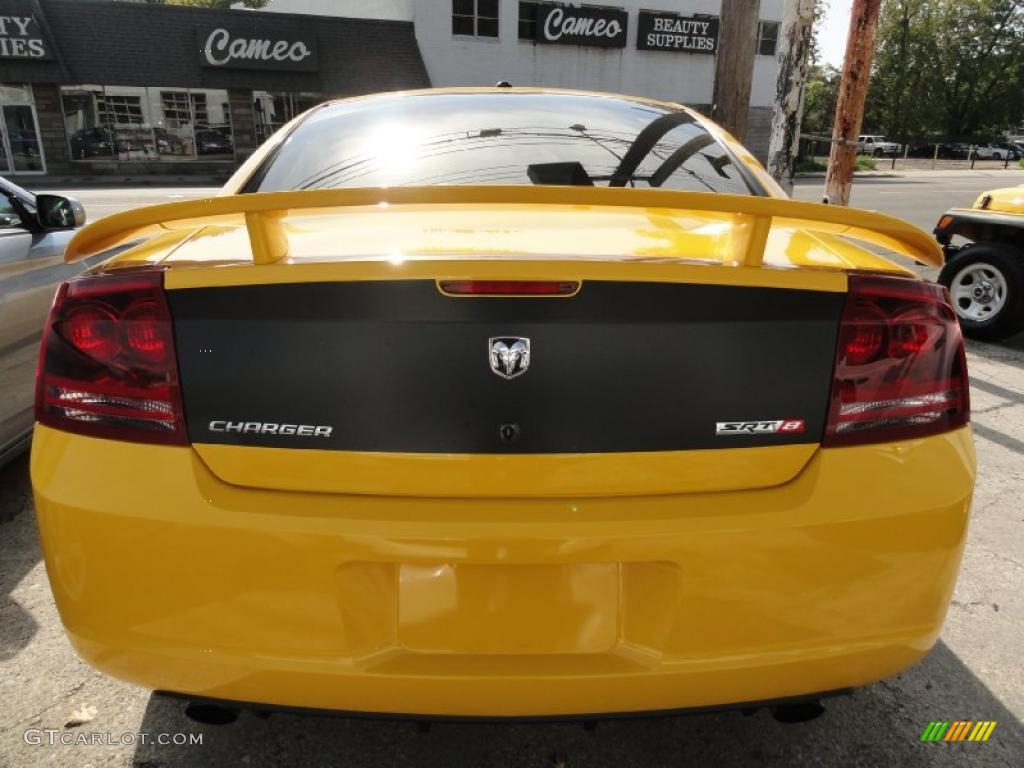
pixel 986 284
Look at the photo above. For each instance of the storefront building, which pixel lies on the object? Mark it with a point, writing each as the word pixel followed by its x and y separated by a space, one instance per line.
pixel 90 87
pixel 662 49
pixel 93 87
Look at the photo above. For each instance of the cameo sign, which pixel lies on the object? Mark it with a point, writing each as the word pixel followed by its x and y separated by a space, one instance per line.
pixel 588 25
pixel 249 46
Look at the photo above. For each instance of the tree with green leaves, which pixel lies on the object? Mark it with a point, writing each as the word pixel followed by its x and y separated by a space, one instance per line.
pixel 948 67
pixel 820 94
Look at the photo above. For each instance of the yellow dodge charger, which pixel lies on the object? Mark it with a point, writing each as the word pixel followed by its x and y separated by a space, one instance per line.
pixel 502 402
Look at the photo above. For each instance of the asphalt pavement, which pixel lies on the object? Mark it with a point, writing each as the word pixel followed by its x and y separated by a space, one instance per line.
pixel 920 197
pixel 973 673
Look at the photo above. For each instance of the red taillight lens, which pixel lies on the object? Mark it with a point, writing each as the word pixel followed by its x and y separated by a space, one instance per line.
pixel 900 368
pixel 107 367
pixel 862 335
pixel 91 328
pixel 146 333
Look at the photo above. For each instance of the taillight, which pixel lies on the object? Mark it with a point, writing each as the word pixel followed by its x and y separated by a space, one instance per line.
pixel 900 369
pixel 509 287
pixel 107 367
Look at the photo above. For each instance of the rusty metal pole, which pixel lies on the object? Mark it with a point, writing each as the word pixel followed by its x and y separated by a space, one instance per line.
pixel 734 65
pixel 853 89
pixel 784 144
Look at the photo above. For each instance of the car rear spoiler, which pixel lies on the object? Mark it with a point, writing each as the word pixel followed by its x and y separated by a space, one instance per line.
pixel 265 214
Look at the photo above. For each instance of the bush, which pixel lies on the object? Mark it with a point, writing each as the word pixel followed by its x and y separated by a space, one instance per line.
pixel 1021 162
pixel 807 163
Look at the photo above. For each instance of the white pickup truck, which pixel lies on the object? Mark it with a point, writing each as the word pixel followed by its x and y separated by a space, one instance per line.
pixel 991 152
pixel 876 146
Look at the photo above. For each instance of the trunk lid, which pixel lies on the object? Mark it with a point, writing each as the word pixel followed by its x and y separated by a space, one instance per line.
pixel 317 353
pixel 388 387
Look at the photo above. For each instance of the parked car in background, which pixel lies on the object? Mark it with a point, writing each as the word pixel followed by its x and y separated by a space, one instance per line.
pixel 91 142
pixel 1016 150
pixel 955 151
pixel 169 143
pixel 984 268
pixel 923 150
pixel 876 146
pixel 991 152
pixel 213 143
pixel 34 230
pixel 24 143
pixel 944 151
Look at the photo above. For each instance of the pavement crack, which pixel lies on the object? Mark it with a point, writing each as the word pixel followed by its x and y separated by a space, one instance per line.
pixel 1002 557
pixel 55 703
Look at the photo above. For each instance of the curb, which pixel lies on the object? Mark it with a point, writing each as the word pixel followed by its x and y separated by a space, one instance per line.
pixel 856 174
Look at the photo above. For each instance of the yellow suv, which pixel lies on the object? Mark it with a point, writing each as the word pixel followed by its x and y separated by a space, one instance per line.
pixel 985 274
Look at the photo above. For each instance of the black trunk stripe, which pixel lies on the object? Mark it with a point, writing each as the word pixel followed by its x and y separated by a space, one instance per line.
pixel 394 366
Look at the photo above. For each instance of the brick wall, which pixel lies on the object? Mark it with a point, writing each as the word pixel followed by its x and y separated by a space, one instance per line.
pixel 51 127
pixel 243 123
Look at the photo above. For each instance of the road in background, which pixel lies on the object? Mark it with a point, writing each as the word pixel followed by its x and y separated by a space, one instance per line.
pixel 920 197
pixel 973 673
pixel 103 201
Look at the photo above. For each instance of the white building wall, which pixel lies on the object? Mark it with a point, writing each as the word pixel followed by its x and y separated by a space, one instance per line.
pixel 685 77
pixel 392 10
pixel 453 60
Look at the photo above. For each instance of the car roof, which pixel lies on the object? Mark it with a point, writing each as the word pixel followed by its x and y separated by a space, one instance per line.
pixel 507 90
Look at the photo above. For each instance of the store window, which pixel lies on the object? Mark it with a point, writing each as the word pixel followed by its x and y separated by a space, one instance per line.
pixel 176 107
pixel 127 123
pixel 211 115
pixel 528 20
pixel 272 109
pixel 21 151
pixel 767 38
pixel 475 18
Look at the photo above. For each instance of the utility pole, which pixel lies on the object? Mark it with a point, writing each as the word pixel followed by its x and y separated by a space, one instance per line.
pixel 734 65
pixel 853 89
pixel 784 145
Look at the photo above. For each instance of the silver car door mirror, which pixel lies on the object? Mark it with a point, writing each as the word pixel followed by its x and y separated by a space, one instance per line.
pixel 57 212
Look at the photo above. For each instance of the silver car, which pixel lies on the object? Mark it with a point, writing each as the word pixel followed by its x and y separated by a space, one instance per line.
pixel 876 146
pixel 34 230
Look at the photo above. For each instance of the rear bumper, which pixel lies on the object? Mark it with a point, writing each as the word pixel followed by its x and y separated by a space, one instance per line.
pixel 168 577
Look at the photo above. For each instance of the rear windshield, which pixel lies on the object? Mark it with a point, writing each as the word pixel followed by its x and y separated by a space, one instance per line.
pixel 501 138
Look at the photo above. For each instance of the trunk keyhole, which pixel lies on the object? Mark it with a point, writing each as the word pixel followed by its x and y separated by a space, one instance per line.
pixel 508 432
